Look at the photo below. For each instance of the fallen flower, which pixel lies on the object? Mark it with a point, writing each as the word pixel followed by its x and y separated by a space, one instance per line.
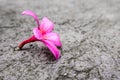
pixel 43 32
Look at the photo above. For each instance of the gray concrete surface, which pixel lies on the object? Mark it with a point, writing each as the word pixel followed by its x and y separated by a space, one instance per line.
pixel 90 34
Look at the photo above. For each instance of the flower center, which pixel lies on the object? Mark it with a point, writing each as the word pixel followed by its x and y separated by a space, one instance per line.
pixel 42 31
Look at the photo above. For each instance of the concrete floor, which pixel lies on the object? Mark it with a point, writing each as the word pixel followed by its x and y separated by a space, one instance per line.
pixel 89 31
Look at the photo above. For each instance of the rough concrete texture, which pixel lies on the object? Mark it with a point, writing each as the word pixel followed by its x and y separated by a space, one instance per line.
pixel 90 34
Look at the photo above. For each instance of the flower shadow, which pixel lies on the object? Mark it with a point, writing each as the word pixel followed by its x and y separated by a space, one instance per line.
pixel 41 52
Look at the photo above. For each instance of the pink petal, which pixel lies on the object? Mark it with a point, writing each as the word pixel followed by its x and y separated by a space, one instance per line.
pixel 37 33
pixel 52 48
pixel 46 25
pixel 30 13
pixel 54 38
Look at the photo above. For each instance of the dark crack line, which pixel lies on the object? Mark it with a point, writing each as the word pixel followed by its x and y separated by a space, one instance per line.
pixel 100 77
pixel 9 27
pixel 66 22
pixel 7 66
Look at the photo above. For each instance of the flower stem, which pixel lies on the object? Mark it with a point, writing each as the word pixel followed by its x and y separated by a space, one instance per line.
pixel 31 39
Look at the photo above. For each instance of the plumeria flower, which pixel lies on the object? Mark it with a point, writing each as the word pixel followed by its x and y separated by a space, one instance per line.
pixel 43 32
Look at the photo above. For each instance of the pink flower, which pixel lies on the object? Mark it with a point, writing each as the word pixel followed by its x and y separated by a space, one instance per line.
pixel 43 32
